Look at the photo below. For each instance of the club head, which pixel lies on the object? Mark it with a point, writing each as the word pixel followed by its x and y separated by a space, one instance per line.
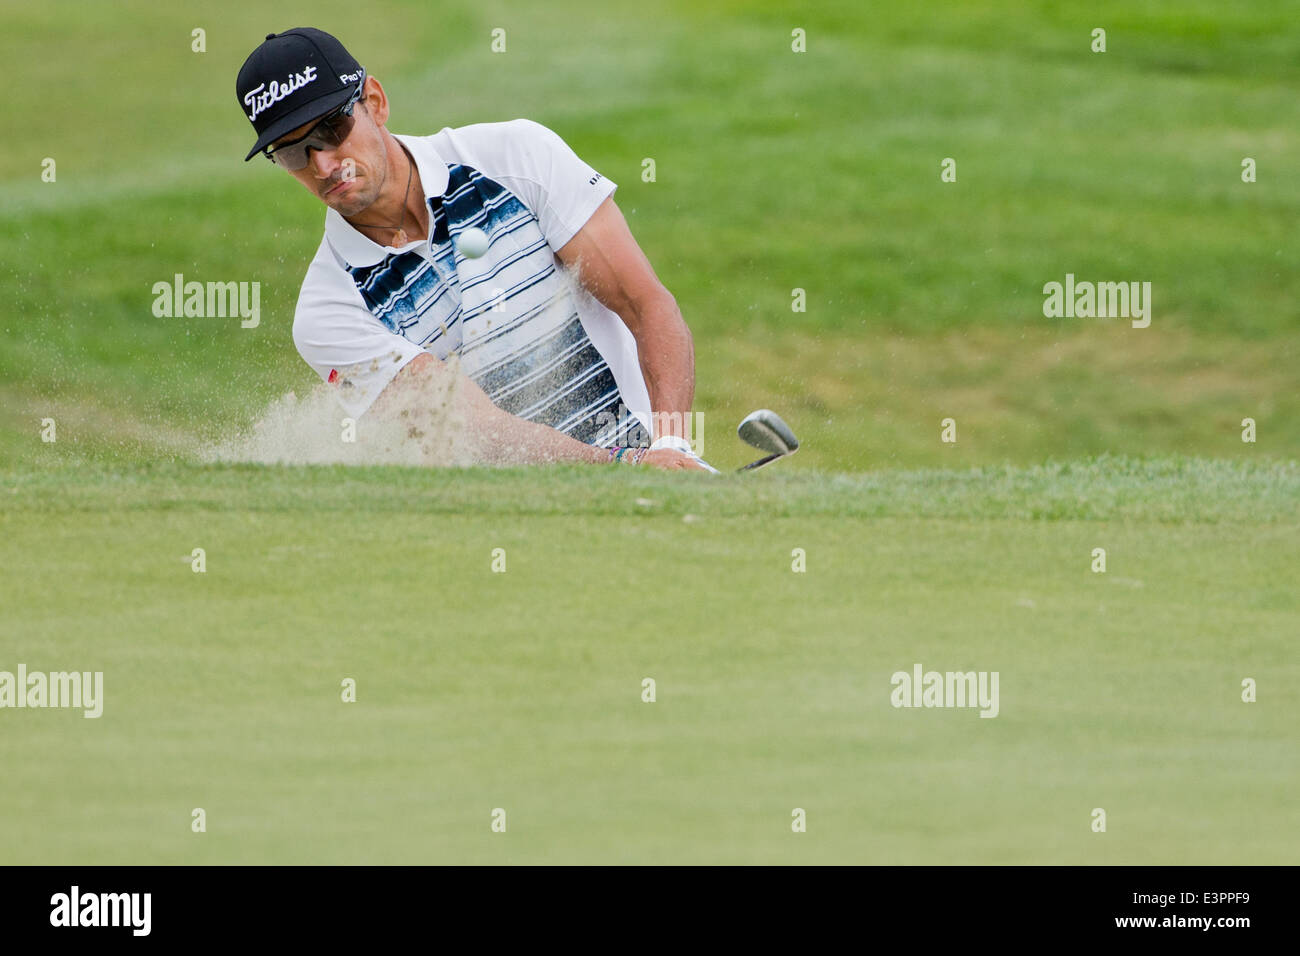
pixel 765 431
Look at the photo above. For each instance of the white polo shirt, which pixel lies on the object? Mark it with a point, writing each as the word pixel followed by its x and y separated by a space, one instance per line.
pixel 539 345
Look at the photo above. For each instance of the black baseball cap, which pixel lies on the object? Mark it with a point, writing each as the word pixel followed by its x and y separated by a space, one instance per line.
pixel 293 78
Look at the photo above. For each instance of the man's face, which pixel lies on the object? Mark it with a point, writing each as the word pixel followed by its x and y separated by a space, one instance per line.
pixel 349 177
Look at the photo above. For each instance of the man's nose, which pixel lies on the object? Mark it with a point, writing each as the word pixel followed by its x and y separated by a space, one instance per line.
pixel 324 161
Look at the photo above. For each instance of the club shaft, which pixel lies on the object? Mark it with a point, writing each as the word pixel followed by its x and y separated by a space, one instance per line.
pixel 761 462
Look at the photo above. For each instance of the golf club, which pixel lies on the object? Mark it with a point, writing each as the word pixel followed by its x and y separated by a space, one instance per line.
pixel 765 431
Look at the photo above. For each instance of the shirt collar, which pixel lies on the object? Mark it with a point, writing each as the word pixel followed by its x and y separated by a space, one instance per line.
pixel 358 250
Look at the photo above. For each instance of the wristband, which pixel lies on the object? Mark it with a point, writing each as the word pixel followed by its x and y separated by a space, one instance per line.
pixel 627 453
pixel 675 442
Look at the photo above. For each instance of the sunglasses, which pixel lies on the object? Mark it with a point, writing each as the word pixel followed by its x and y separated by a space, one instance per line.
pixel 329 133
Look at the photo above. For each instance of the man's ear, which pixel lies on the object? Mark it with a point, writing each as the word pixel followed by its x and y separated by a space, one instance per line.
pixel 376 101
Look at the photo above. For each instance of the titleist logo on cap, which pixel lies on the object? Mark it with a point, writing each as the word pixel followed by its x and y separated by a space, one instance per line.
pixel 260 97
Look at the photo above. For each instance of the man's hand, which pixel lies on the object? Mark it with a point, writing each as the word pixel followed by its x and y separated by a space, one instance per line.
pixel 670 460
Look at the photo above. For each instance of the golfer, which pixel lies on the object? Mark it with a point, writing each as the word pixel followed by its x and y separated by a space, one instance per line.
pixel 452 255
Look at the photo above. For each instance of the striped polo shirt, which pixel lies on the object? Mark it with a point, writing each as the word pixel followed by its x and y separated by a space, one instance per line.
pixel 535 341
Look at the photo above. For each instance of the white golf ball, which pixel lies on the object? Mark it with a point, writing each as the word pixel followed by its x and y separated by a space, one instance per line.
pixel 472 243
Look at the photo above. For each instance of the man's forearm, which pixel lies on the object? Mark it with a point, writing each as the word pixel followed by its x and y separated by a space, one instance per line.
pixel 667 355
pixel 505 439
pixel 426 388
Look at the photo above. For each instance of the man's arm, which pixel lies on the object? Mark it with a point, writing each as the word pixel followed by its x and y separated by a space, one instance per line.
pixel 613 268
pixel 490 435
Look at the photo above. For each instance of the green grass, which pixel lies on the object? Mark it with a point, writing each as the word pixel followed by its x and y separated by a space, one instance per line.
pixel 1157 490
pixel 521 689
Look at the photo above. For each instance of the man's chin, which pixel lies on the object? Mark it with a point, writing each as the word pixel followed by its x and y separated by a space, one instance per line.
pixel 346 198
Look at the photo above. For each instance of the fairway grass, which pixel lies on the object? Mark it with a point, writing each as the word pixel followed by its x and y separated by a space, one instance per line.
pixel 522 690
